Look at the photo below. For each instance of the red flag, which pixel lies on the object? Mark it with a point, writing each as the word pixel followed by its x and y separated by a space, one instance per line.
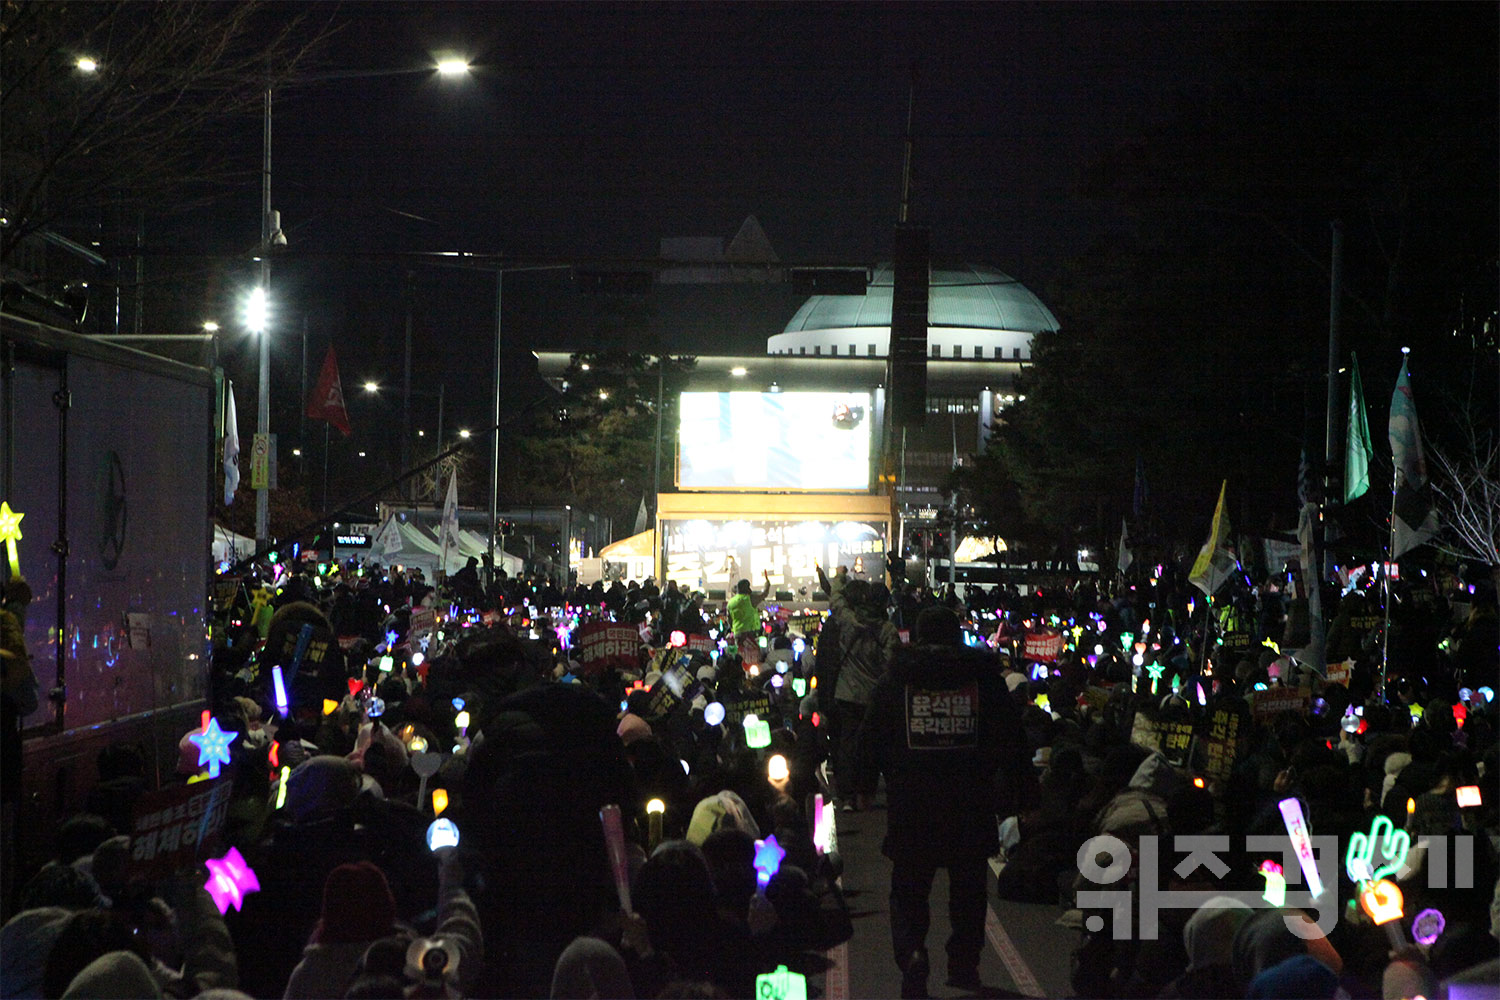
pixel 327 399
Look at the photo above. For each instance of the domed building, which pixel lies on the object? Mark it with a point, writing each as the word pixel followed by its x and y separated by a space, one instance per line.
pixel 784 459
pixel 973 311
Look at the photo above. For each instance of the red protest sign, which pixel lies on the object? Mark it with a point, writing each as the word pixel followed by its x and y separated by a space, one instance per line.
pixel 606 646
pixel 423 620
pixel 177 827
pixel 1044 646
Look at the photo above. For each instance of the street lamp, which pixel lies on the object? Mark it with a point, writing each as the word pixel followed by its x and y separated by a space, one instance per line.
pixel 271 235
pixel 372 387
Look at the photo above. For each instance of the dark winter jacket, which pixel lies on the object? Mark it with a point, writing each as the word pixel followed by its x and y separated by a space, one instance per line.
pixel 941 724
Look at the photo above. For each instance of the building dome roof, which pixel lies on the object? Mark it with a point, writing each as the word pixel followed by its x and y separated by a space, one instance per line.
pixel 970 308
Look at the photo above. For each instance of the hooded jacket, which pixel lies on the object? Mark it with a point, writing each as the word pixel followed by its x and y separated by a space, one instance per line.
pixel 941 724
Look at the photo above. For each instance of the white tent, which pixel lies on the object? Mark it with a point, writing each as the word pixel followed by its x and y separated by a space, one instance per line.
pixel 229 546
pixel 422 549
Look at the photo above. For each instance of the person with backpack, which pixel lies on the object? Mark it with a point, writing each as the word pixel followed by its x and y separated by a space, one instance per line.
pixel 940 725
pixel 866 642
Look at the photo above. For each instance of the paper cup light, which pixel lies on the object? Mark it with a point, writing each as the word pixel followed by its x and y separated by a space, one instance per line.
pixel 1468 795
pixel 777 770
pixel 442 833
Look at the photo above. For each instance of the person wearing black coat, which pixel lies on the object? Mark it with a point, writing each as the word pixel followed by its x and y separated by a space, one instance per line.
pixel 940 726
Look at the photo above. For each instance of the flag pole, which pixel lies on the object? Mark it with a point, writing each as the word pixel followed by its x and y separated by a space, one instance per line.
pixel 1390 560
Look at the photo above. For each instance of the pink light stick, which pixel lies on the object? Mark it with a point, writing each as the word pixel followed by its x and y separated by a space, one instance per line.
pixel 614 841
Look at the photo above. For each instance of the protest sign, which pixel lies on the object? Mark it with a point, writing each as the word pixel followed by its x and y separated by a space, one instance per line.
pixel 423 621
pixel 226 589
pixel 606 646
pixel 176 827
pixel 942 719
pixel 1268 704
pixel 1172 738
pixel 1044 646
pixel 1220 744
pixel 753 703
pixel 1340 673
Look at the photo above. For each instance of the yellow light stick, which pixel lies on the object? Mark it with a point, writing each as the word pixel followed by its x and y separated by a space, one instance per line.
pixel 439 801
pixel 10 533
pixel 654 810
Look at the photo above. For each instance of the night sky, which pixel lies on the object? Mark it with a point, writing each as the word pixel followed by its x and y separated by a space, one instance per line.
pixel 590 131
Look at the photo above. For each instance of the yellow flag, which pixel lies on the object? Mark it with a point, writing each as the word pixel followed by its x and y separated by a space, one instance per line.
pixel 1215 562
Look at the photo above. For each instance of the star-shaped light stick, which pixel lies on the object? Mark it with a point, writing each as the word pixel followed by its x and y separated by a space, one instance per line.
pixel 10 533
pixel 768 856
pixel 213 746
pixel 230 880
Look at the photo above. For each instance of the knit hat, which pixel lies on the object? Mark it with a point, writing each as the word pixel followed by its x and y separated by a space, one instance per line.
pixel 590 968
pixel 320 787
pixel 937 626
pixel 1300 977
pixel 357 905
pixel 632 727
pixel 1407 979
pixel 115 974
pixel 1209 934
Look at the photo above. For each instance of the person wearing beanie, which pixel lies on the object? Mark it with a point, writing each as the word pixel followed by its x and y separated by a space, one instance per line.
pixel 115 974
pixel 941 725
pixel 358 908
pixel 632 727
pixel 1208 939
pixel 1300 977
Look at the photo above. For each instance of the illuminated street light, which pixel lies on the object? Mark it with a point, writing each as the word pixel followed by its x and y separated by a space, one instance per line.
pixel 210 326
pixel 372 387
pixel 464 435
pixel 257 310
pixel 739 371
pixel 297 452
pixel 87 64
pixel 452 67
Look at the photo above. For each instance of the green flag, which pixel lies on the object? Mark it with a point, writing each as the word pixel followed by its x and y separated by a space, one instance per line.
pixel 1357 455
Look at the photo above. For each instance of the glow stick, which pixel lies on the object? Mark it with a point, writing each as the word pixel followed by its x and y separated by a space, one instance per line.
pixel 614 842
pixel 439 801
pixel 426 765
pixel 1296 829
pixel 820 826
pixel 1275 893
pixel 781 985
pixel 768 858
pixel 230 880
pixel 10 532
pixel 442 833
pixel 280 685
pixel 1382 902
pixel 654 810
pixel 1427 927
pixel 1391 844
pixel 286 773
pixel 213 746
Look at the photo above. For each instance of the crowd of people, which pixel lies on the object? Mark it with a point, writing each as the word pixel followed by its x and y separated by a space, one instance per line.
pixel 367 706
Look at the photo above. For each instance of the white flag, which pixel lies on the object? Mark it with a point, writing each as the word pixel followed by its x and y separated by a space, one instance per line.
pixel 640 518
pixel 1125 557
pixel 448 532
pixel 389 539
pixel 231 446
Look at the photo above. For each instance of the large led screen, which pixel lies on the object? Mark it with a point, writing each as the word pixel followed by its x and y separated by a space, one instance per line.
pixel 774 441
pixel 709 555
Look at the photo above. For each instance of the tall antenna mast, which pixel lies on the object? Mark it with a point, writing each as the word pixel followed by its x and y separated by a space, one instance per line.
pixel 911 97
